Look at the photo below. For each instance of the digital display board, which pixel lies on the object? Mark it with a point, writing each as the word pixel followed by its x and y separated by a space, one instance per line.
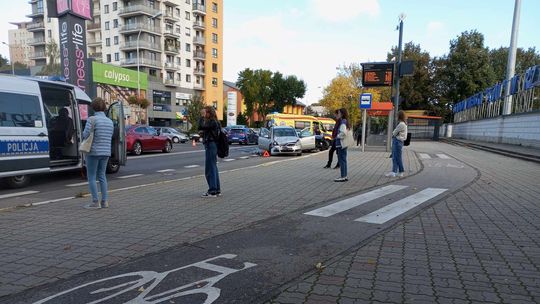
pixel 377 74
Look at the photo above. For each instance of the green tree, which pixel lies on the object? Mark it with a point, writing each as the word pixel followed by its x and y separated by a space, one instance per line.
pixel 194 109
pixel 286 90
pixel 256 87
pixel 53 63
pixel 524 59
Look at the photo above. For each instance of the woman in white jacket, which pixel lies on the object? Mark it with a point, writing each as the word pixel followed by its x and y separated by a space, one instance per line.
pixel 399 135
pixel 343 141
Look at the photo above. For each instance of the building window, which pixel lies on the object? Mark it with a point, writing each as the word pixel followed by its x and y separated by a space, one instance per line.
pixel 115 23
pixel 107 41
pixel 114 6
pixel 214 7
pixel 115 40
pixel 188 31
pixel 188 63
pixel 214 82
pixel 116 56
pixel 178 76
pixel 188 78
pixel 49 33
pixel 106 9
pixel 49 20
pixel 214 22
pixel 188 16
pixel 152 72
pixel 214 38
pixel 107 25
pixel 178 12
pixel 214 67
pixel 188 47
pixel 179 61
pixel 214 53
pixel 108 57
pixel 188 1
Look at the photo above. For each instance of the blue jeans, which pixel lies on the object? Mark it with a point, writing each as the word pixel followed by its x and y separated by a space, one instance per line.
pixel 211 169
pixel 96 166
pixel 342 161
pixel 397 158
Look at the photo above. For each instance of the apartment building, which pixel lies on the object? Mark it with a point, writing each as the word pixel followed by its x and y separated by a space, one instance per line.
pixel 43 29
pixel 178 43
pixel 19 39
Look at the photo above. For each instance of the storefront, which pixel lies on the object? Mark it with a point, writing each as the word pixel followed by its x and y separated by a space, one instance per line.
pixel 168 108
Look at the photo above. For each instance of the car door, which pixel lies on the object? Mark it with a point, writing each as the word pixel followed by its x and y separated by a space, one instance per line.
pixel 142 135
pixel 307 138
pixel 156 142
pixel 264 139
pixel 119 152
pixel 252 136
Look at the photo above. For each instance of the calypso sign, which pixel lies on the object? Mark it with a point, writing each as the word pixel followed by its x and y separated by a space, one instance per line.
pixel 110 74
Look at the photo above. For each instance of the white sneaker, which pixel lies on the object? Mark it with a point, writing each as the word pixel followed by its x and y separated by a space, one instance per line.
pixel 390 174
pixel 400 174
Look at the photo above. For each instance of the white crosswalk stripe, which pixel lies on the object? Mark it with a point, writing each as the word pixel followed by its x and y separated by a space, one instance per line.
pixel 165 171
pixel 191 166
pixel 393 210
pixel 244 157
pixel 443 156
pixel 353 202
pixel 129 176
pixel 78 184
pixel 229 159
pixel 424 156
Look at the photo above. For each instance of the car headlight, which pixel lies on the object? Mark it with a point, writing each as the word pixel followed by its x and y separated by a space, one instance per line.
pixel 275 143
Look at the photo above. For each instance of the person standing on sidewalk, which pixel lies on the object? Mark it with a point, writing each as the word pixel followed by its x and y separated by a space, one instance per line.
pixel 342 143
pixel 98 157
pixel 399 135
pixel 210 127
pixel 333 146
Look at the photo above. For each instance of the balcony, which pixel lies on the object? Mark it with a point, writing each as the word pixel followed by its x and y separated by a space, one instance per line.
pixel 199 25
pixel 93 27
pixel 199 9
pixel 35 13
pixel 97 55
pixel 171 33
pixel 171 17
pixel 38 55
pixel 171 66
pixel 96 12
pixel 199 40
pixel 130 45
pixel 135 27
pixel 171 50
pixel 170 83
pixel 37 41
pixel 199 55
pixel 137 9
pixel 199 86
pixel 133 62
pixel 94 42
pixel 170 3
pixel 32 1
pixel 38 26
pixel 199 71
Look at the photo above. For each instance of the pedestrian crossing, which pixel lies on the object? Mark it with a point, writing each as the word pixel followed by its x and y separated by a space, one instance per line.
pixel 430 156
pixel 384 214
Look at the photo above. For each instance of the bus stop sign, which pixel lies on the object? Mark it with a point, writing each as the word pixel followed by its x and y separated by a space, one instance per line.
pixel 365 101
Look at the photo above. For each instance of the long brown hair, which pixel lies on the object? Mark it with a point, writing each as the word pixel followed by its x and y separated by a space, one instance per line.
pixel 212 111
pixel 401 116
pixel 345 115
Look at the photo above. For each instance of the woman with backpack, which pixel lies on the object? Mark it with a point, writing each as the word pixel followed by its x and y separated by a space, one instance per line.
pixel 210 128
pixel 399 135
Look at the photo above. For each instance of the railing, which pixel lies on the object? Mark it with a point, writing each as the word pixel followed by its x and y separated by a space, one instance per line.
pixel 171 15
pixel 199 54
pixel 171 32
pixel 138 8
pixel 171 65
pixel 142 61
pixel 199 24
pixel 171 49
pixel 524 94
pixel 94 41
pixel 198 86
pixel 38 55
pixel 199 40
pixel 170 82
pixel 95 55
pixel 40 40
pixel 199 71
pixel 140 26
pixel 142 44
pixel 197 7
pixel 36 12
pixel 93 26
pixel 37 25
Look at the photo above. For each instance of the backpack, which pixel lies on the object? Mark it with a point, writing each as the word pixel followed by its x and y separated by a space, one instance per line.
pixel 222 143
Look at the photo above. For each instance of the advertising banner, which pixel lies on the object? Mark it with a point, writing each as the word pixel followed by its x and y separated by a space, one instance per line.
pixel 231 108
pixel 73 53
pixel 113 75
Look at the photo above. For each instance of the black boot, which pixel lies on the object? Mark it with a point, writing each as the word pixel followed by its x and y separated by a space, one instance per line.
pixel 327 166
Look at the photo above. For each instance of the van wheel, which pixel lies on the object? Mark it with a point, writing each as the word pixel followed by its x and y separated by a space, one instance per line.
pixel 112 167
pixel 168 147
pixel 19 181
pixel 137 148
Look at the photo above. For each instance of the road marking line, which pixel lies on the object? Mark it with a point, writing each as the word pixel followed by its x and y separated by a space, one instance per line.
pixel 229 159
pixel 424 156
pixel 18 194
pixel 54 201
pixel 444 156
pixel 355 201
pixel 79 184
pixel 191 166
pixel 129 176
pixel 172 153
pixel 244 157
pixel 393 210
pixel 165 170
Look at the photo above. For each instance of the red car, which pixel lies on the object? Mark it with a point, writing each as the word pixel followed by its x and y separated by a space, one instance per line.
pixel 141 138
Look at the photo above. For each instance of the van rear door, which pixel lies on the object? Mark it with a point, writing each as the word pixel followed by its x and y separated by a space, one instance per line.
pixel 24 143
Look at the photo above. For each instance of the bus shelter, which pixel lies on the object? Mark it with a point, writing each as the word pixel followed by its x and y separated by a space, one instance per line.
pixel 379 125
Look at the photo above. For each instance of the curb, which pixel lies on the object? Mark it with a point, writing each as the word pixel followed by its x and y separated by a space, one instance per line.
pixel 513 154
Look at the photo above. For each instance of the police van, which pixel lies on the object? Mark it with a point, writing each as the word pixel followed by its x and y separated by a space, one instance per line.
pixel 41 125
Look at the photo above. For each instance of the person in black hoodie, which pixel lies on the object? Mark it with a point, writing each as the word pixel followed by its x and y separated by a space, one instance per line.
pixel 333 147
pixel 210 128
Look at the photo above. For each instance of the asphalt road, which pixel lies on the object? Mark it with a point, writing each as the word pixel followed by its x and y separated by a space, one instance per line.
pixel 184 161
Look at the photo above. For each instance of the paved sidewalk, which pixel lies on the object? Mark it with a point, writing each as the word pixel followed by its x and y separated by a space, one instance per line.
pixel 479 245
pixel 529 153
pixel 42 244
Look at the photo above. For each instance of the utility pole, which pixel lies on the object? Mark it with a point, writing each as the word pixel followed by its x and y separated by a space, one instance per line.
pixel 511 65
pixel 398 67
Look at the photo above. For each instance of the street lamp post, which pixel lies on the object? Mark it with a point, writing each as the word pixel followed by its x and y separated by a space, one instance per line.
pixel 511 65
pixel 10 58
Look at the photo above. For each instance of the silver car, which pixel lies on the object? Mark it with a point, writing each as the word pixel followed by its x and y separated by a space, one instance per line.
pixel 175 135
pixel 280 140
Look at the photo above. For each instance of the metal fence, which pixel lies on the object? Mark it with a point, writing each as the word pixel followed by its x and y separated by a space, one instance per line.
pixel 524 93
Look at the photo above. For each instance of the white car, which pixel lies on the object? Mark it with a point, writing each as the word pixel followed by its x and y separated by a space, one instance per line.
pixel 175 135
pixel 285 140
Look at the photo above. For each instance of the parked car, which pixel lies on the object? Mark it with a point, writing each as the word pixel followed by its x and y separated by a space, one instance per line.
pixel 228 128
pixel 241 136
pixel 308 139
pixel 141 138
pixel 175 135
pixel 280 140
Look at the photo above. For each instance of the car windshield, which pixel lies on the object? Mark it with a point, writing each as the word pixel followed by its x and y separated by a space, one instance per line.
pixel 284 132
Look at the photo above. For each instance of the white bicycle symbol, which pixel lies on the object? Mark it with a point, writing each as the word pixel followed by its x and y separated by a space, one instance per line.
pixel 204 286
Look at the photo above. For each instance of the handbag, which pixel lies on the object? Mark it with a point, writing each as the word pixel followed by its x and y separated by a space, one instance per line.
pixel 86 144
pixel 348 140
pixel 408 140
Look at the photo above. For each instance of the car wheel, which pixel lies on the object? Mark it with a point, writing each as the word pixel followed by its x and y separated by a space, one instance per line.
pixel 112 167
pixel 19 181
pixel 168 147
pixel 175 140
pixel 137 148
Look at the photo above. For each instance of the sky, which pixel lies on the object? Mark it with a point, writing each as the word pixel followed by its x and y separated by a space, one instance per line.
pixel 311 38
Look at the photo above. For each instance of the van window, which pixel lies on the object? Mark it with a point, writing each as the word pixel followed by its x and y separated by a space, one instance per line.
pixel 19 110
pixel 302 124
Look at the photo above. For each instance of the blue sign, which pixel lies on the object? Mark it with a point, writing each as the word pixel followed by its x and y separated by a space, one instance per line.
pixel 23 147
pixel 365 101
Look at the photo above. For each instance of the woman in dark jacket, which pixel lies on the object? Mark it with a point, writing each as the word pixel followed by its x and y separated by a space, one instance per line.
pixel 210 128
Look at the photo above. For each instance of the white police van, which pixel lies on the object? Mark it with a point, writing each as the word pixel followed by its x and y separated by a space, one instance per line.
pixel 41 124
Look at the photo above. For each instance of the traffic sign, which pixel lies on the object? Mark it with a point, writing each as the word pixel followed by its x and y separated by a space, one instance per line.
pixel 365 101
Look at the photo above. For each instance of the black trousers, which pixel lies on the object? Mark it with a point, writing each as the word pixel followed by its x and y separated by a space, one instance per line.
pixel 331 153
